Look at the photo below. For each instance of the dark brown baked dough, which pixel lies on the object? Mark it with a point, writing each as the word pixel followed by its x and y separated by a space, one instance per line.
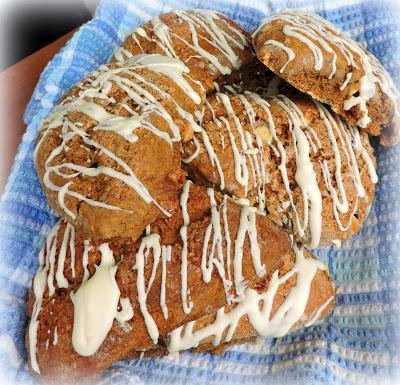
pixel 143 149
pixel 315 57
pixel 221 125
pixel 203 39
pixel 59 361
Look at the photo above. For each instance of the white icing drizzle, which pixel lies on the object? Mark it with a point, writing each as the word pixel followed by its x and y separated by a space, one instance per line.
pixel 72 250
pixel 39 287
pixel 344 139
pixel 346 81
pixel 165 257
pixel 92 307
pixel 148 106
pixel 149 242
pixel 311 29
pixel 249 151
pixel 187 307
pixel 126 312
pixel 209 23
pixel 258 308
pixel 55 338
pixel 213 158
pixel 61 280
pixel 337 243
pixel 289 52
pixel 214 255
pixel 95 305
pixel 305 174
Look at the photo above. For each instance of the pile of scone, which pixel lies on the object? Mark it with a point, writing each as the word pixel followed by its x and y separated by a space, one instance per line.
pixel 192 175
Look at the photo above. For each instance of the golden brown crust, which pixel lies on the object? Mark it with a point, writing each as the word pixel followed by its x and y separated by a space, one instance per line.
pixel 301 71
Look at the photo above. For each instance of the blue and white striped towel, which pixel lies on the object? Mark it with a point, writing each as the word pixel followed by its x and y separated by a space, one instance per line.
pixel 358 343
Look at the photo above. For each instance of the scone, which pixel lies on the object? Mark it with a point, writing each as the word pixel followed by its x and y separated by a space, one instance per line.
pixel 95 302
pixel 310 171
pixel 203 39
pixel 315 57
pixel 108 153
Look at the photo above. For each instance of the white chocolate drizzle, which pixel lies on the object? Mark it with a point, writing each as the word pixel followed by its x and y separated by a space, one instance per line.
pixel 249 160
pixel 148 105
pixel 248 152
pixel 214 255
pixel 289 52
pixel 39 287
pixel 319 311
pixel 97 298
pixel 326 42
pixel 258 309
pixel 187 307
pixel 95 305
pixel 95 302
pixel 55 337
pixel 206 27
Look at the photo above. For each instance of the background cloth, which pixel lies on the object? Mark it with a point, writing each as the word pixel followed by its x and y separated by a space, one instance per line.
pixel 357 344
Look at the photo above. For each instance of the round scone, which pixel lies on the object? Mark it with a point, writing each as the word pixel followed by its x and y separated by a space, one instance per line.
pixel 201 38
pixel 108 153
pixel 315 57
pixel 312 172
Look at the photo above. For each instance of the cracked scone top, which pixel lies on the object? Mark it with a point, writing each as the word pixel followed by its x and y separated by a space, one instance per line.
pixel 314 56
pixel 203 39
pixel 92 153
pixel 313 173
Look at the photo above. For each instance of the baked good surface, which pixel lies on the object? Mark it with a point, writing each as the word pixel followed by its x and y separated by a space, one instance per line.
pixel 92 153
pixel 226 263
pixel 312 172
pixel 315 57
pixel 203 39
pixel 189 175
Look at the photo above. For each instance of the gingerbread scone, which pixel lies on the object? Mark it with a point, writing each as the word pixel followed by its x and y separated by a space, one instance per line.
pixel 314 56
pixel 240 323
pixel 203 39
pixel 313 173
pixel 83 317
pixel 108 154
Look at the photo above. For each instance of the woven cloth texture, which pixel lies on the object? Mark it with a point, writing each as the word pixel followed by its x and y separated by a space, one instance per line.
pixel 357 344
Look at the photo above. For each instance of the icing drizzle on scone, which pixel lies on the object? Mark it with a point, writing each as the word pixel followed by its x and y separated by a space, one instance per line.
pixel 206 27
pixel 258 309
pixel 326 42
pixel 149 103
pixel 94 311
pixel 252 164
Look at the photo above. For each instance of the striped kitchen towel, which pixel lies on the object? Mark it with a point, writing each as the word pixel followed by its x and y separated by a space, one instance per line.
pixel 357 344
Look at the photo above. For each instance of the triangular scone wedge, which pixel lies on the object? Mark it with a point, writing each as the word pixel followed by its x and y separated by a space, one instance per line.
pixel 234 323
pixel 84 318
